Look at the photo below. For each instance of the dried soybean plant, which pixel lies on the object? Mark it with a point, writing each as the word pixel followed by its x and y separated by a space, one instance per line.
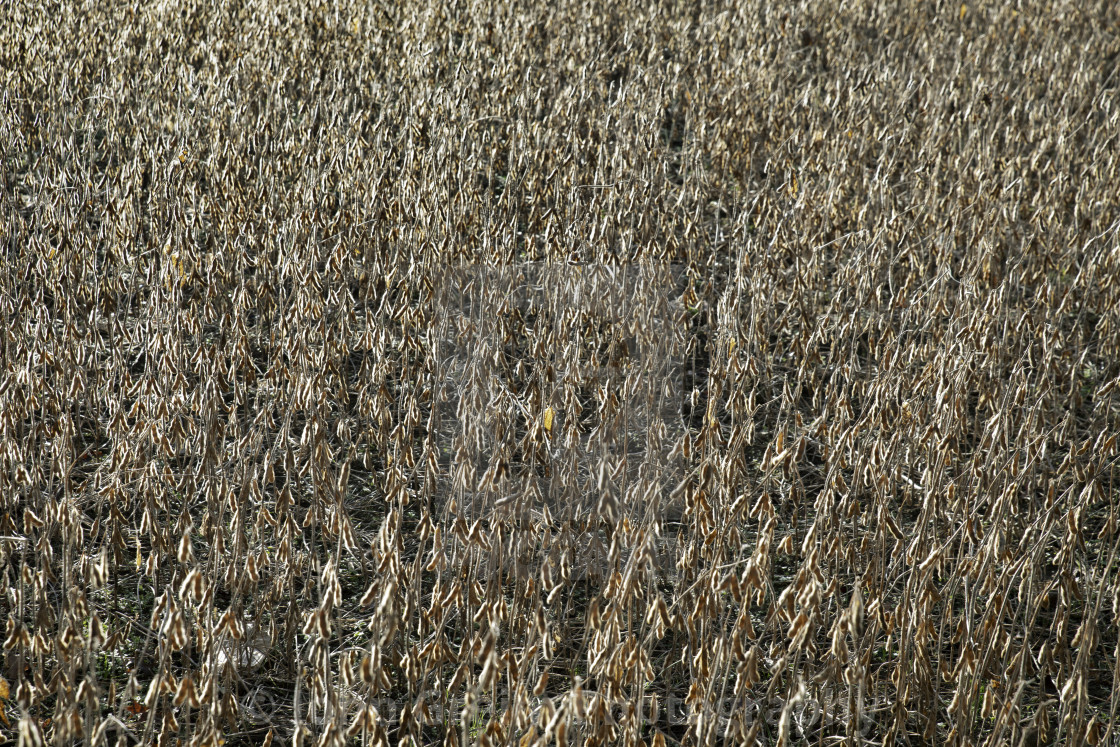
pixel 562 372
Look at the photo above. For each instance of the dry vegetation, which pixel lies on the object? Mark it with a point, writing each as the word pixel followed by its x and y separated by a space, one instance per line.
pixel 588 373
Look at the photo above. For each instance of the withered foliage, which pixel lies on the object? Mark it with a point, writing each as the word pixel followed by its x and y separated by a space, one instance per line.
pixel 575 372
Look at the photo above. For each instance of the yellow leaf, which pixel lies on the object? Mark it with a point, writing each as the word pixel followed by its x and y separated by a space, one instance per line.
pixel 964 10
pixel 4 692
pixel 548 414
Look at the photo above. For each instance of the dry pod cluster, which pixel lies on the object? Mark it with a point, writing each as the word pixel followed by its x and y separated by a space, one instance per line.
pixel 577 373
